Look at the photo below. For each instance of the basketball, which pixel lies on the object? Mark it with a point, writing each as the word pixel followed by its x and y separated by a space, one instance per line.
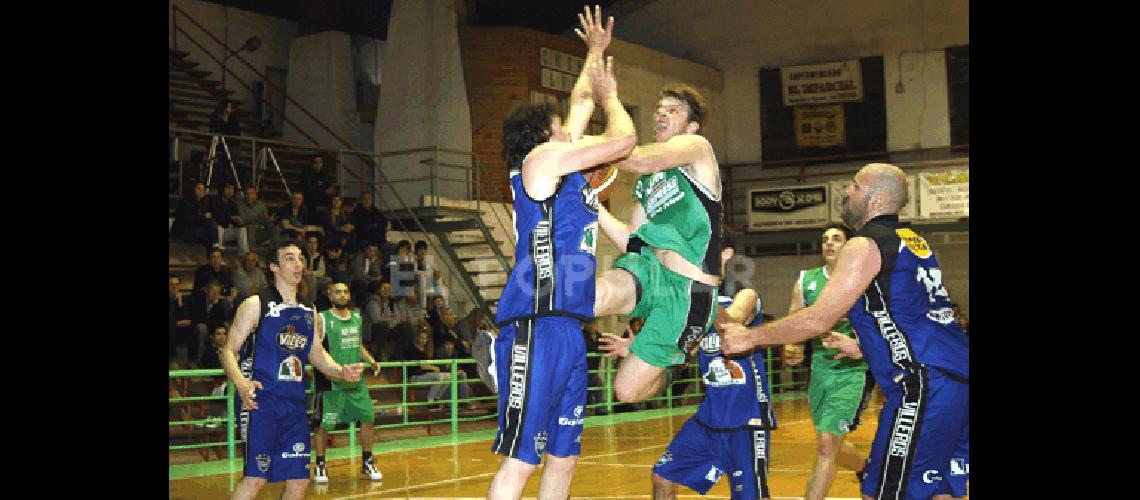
pixel 599 178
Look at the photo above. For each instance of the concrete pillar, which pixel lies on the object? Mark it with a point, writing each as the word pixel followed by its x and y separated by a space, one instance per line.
pixel 320 78
pixel 423 102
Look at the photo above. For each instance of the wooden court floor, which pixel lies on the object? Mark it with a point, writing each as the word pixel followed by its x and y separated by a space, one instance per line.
pixel 616 463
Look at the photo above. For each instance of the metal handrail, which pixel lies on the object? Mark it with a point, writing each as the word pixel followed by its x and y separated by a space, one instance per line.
pixel 605 372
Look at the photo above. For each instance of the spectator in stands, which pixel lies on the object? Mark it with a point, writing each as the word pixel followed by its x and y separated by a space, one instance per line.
pixel 449 333
pixel 410 317
pixel 338 225
pixel 249 279
pixel 324 302
pixel 261 227
pixel 470 325
pixel 435 307
pixel 367 268
pixel 231 227
pixel 217 271
pixel 371 226
pixel 293 218
pixel 316 183
pixel 401 270
pixel 419 351
pixel 337 266
pixel 423 263
pixel 211 358
pixel 194 219
pixel 224 121
pixel 379 318
pixel 446 350
pixel 208 314
pixel 182 328
pixel 314 275
pixel 409 311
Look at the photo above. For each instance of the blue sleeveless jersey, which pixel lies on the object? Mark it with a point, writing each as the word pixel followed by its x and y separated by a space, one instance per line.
pixel 555 241
pixel 904 317
pixel 736 389
pixel 276 352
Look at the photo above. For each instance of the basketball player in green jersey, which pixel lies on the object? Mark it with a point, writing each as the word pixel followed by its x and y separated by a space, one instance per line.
pixel 346 401
pixel 839 389
pixel 671 269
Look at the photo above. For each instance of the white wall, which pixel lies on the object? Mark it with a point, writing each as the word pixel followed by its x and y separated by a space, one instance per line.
pixel 423 99
pixel 740 37
pixel 773 277
pixel 276 34
pixel 321 79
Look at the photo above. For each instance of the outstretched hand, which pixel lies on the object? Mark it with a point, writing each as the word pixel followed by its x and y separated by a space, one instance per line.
pixel 247 392
pixel 614 345
pixel 847 346
pixel 602 79
pixel 597 38
pixel 352 372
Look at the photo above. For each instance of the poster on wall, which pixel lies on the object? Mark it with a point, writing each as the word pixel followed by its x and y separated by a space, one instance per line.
pixel 945 194
pixel 908 213
pixel 791 207
pixel 839 81
pixel 820 126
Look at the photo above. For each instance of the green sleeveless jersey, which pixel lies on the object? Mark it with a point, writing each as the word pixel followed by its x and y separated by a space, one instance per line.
pixel 811 283
pixel 343 342
pixel 683 216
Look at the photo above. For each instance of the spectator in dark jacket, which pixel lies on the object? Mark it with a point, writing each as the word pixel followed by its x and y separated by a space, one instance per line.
pixel 371 226
pixel 194 219
pixel 316 183
pixel 293 219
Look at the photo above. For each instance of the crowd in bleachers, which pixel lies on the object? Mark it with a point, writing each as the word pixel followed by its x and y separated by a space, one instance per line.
pixel 395 286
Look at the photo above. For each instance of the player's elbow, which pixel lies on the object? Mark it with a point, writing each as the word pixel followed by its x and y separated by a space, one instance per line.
pixel 626 142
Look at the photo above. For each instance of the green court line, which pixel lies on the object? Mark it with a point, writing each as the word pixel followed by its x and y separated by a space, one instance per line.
pixel 183 471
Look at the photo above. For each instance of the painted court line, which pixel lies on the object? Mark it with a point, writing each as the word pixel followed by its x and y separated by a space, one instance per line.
pixel 424 485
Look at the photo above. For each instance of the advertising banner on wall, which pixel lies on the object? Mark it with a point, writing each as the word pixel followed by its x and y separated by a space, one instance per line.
pixel 909 212
pixel 791 207
pixel 822 83
pixel 820 126
pixel 944 194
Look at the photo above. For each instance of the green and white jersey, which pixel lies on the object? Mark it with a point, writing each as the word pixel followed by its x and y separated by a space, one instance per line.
pixel 343 342
pixel 683 216
pixel 811 283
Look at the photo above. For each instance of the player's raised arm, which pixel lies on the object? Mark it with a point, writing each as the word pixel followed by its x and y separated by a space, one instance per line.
pixel 556 158
pixel 597 38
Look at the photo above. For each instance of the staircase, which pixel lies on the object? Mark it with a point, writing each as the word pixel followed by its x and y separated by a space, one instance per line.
pixel 193 94
pixel 467 240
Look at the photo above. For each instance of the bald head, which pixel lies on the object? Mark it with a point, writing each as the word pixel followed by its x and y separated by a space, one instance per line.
pixel 888 180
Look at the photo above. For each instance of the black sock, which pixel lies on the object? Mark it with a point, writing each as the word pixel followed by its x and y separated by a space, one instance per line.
pixel 320 459
pixel 366 455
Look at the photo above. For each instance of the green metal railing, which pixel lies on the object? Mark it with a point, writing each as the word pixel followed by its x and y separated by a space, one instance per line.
pixel 600 398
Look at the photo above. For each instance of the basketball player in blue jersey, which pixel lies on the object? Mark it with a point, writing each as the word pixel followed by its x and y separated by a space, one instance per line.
pixel 274 333
pixel 888 283
pixel 730 434
pixel 541 356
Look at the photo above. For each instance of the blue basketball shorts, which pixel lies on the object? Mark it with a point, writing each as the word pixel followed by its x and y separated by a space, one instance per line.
pixel 276 438
pixel 923 422
pixel 541 372
pixel 698 456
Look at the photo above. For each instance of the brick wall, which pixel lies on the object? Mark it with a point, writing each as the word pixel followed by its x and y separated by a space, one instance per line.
pixel 501 67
